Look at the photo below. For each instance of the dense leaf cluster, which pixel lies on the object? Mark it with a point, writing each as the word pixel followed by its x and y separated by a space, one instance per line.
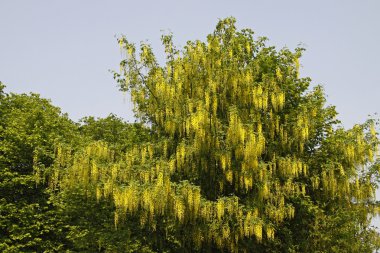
pixel 33 217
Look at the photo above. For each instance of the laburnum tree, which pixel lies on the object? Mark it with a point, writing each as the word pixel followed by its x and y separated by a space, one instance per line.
pixel 244 155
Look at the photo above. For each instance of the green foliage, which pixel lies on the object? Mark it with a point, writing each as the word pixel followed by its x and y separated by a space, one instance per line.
pixel 90 221
pixel 90 226
pixel 114 131
pixel 34 218
pixel 29 129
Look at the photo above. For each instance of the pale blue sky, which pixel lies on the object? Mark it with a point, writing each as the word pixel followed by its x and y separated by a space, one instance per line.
pixel 64 49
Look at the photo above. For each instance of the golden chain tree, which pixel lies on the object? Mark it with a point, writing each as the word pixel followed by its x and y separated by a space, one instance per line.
pixel 237 139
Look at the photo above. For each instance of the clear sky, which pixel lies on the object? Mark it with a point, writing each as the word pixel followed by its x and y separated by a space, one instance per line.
pixel 65 49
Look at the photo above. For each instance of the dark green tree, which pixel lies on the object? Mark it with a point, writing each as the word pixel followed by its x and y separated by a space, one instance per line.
pixel 35 217
pixel 30 127
pixel 114 131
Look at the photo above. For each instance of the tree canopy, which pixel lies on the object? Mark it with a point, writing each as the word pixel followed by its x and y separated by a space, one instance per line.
pixel 30 128
pixel 33 216
pixel 234 152
pixel 244 154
